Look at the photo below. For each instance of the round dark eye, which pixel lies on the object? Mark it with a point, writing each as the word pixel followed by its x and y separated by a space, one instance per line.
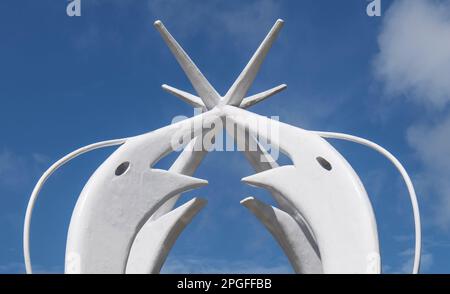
pixel 122 168
pixel 324 163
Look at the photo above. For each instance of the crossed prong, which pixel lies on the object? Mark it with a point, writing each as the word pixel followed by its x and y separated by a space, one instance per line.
pixel 206 92
pixel 207 99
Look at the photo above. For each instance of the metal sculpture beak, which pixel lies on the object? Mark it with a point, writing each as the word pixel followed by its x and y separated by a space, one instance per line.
pixel 324 189
pixel 119 198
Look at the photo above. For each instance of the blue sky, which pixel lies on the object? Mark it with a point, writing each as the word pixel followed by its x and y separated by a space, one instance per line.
pixel 68 82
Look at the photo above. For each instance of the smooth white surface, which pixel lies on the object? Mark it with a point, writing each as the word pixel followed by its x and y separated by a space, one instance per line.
pixel 154 241
pixel 204 89
pixel 252 100
pixel 193 100
pixel 189 160
pixel 302 256
pixel 112 209
pixel 333 202
pixel 406 178
pixel 146 257
pixel 240 87
pixel 41 182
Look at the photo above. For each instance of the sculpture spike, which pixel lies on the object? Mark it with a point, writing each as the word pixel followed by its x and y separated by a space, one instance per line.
pixel 268 179
pixel 240 87
pixel 291 237
pixel 207 93
pixel 186 164
pixel 193 100
pixel 154 241
pixel 252 100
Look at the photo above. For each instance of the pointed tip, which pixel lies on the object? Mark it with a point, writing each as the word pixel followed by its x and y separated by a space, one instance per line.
pixel 158 23
pixel 244 81
pixel 187 183
pixel 193 100
pixel 270 178
pixel 180 179
pixel 254 180
pixel 263 211
pixel 252 100
pixel 198 182
pixel 245 201
pixel 188 208
pixel 196 203
pixel 205 90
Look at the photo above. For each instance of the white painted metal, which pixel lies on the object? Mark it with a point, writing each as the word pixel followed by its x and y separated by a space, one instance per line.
pixel 302 256
pixel 189 161
pixel 113 206
pixel 206 92
pixel 333 202
pixel 197 102
pixel 193 100
pixel 321 210
pixel 144 258
pixel 252 100
pixel 406 179
pixel 186 164
pixel 41 182
pixel 157 237
pixel 240 87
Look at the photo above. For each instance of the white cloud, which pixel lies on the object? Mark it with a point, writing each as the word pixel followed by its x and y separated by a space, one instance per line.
pixel 414 63
pixel 432 145
pixel 414 57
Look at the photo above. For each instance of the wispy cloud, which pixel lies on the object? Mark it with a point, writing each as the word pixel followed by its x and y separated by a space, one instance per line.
pixel 414 64
pixel 403 262
pixel 12 268
pixel 12 169
pixel 19 268
pixel 191 265
pixel 245 21
pixel 407 256
pixel 431 143
pixel 17 170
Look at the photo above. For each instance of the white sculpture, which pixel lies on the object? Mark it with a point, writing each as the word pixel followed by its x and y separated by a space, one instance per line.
pixel 125 221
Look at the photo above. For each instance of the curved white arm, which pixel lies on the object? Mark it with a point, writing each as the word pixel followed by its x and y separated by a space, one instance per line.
pixel 406 178
pixel 40 183
pixel 76 153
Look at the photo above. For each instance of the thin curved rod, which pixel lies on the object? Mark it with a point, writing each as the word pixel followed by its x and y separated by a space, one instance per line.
pixel 406 178
pixel 82 150
pixel 41 182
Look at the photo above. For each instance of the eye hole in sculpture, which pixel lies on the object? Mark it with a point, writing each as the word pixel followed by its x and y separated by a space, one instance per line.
pixel 324 163
pixel 122 168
